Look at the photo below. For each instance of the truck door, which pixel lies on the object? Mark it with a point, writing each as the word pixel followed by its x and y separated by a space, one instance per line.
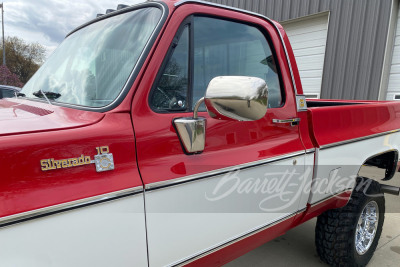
pixel 250 174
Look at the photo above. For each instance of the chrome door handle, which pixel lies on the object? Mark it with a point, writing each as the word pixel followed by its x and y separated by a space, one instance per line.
pixel 293 121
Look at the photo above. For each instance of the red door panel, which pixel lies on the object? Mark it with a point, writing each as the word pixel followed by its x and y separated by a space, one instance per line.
pixel 228 143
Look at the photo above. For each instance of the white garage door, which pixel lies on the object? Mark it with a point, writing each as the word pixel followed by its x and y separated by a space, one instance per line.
pixel 308 38
pixel 394 77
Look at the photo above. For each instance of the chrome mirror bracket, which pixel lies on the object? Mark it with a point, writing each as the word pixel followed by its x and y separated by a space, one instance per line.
pixel 192 131
pixel 237 98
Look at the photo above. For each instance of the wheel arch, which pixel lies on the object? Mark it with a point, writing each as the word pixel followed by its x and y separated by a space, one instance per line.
pixel 386 160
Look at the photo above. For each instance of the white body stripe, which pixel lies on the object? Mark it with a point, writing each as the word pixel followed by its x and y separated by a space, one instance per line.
pixel 186 220
pixel 338 165
pixel 107 234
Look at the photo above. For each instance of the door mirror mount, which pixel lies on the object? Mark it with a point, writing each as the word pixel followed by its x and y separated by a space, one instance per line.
pixel 237 98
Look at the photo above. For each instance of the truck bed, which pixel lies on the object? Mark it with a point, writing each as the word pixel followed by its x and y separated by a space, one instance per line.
pixel 334 121
pixel 319 103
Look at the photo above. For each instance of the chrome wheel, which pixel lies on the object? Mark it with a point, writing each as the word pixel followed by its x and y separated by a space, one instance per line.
pixel 367 227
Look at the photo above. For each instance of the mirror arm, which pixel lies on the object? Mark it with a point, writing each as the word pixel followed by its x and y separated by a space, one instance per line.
pixel 196 107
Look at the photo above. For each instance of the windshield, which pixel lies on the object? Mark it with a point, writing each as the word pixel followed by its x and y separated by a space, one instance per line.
pixel 92 65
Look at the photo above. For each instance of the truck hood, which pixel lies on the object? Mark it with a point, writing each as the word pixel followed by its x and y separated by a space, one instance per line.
pixel 20 116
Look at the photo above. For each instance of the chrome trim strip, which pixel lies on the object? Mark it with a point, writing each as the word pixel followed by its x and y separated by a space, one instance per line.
pixel 179 3
pixel 301 211
pixel 293 121
pixel 239 238
pixel 204 175
pixel 254 231
pixel 311 150
pixel 37 213
pixel 357 139
pixel 315 171
pixel 330 197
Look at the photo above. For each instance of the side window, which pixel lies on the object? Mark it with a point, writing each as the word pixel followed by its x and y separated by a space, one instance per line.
pixel 8 93
pixel 226 48
pixel 171 90
pixel 220 48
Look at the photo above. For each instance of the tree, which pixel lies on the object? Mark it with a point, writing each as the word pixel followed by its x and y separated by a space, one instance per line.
pixel 9 78
pixel 22 58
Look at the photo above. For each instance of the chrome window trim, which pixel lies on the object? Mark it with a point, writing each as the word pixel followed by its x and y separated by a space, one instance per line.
pixel 179 3
pixel 38 213
pixel 200 176
pixel 139 63
pixel 345 142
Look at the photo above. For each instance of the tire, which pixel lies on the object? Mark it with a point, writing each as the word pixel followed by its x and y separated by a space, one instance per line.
pixel 335 235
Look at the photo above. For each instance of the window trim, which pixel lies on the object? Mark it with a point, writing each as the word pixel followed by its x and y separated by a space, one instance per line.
pixel 267 37
pixel 189 20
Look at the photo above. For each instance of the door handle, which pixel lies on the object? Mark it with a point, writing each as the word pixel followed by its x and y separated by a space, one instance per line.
pixel 293 121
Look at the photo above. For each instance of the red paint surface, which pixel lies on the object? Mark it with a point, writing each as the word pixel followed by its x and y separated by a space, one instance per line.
pixel 61 133
pixel 228 143
pixel 340 123
pixel 24 186
pixel 19 116
pixel 338 201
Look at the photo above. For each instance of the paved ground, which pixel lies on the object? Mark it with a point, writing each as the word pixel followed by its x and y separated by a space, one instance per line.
pixel 296 247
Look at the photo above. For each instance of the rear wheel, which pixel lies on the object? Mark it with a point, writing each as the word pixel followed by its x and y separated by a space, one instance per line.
pixel 349 236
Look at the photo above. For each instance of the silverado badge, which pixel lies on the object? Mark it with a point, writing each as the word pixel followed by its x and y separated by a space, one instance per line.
pixel 103 161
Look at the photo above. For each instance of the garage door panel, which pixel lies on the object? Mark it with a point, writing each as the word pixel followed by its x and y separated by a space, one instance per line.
pixel 311 51
pixel 304 30
pixel 310 73
pixel 312 85
pixel 395 69
pixel 308 38
pixel 302 44
pixel 308 32
pixel 311 62
pixel 306 25
pixel 394 76
pixel 311 37
pixel 394 83
pixel 396 55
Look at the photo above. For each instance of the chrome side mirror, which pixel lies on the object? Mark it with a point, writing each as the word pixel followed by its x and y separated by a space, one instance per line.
pixel 237 98
pixel 227 97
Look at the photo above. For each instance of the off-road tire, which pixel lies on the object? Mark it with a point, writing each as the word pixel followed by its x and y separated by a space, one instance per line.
pixel 336 229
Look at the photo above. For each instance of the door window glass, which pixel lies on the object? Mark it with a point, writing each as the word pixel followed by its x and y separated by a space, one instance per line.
pixel 220 48
pixel 226 48
pixel 170 94
pixel 8 93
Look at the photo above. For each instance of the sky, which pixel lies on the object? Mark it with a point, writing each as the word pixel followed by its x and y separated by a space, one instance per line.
pixel 47 22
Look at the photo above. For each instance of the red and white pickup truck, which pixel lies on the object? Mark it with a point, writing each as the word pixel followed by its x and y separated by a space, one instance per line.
pixel 177 133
